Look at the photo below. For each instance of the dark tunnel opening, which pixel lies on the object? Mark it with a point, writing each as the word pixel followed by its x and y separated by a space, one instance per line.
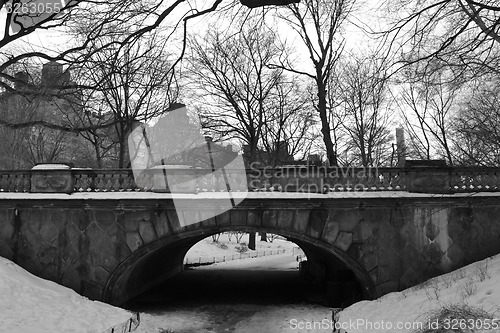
pixel 158 276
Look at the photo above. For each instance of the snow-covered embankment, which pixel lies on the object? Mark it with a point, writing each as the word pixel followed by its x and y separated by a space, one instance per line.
pixel 29 304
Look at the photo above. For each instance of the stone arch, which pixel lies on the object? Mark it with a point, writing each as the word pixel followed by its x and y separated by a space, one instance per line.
pixel 153 263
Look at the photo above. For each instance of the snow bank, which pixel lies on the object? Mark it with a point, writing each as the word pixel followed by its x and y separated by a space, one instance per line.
pixel 476 285
pixel 53 166
pixel 29 304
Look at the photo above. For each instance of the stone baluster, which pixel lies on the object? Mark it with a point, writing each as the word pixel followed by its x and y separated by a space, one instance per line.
pixel 386 181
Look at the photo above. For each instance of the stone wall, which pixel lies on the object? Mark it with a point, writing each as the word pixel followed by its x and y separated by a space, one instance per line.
pixel 107 249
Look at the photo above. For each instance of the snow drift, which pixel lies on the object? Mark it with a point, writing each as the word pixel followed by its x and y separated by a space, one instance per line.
pixel 29 304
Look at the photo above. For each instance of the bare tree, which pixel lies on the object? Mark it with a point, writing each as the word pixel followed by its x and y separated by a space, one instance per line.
pixel 361 85
pixel 216 237
pixel 431 103
pixel 244 98
pixel 120 22
pixel 238 235
pixel 108 27
pixel 477 124
pixel 463 33
pixel 130 85
pixel 319 24
pixel 101 143
pixel 288 121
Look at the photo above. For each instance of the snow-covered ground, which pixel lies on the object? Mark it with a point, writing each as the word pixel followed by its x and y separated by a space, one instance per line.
pixel 285 261
pixel 207 248
pixel 476 287
pixel 29 304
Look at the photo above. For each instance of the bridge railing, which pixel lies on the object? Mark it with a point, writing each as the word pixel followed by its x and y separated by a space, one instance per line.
pixel 15 180
pixel 477 179
pixel 285 179
pixel 321 179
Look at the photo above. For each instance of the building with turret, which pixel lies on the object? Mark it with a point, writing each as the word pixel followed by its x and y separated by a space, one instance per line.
pixel 38 101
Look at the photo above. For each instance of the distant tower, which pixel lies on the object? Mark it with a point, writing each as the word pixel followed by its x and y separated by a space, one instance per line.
pixel 282 151
pixel 54 75
pixel 22 79
pixel 400 145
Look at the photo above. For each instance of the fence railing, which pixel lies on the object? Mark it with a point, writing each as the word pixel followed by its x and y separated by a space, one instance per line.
pixel 127 326
pixel 216 259
pixel 286 179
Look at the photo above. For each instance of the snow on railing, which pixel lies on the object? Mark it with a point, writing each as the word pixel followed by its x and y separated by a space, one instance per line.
pixel 478 179
pixel 284 179
pixel 15 180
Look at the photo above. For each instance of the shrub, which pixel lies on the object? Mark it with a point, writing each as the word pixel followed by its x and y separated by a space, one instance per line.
pixel 436 321
pixel 482 271
pixel 222 246
pixel 458 274
pixel 242 248
pixel 447 282
pixel 468 288
pixel 433 289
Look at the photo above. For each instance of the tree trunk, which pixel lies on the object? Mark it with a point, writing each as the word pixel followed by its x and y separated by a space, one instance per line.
pixel 122 141
pixel 98 156
pixel 251 241
pixel 263 236
pixel 325 125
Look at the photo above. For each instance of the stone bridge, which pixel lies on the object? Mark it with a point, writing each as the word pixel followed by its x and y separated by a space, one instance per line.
pixel 111 242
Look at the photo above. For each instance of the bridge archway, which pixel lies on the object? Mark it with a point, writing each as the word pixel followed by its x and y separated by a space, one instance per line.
pixel 154 263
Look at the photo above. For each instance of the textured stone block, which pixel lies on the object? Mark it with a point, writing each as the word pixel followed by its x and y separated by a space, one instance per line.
pixel 105 218
pixel 369 261
pixel 6 224
pixel 331 231
pixel 431 231
pixel 344 241
pixel 428 180
pixel 286 219
pixel 439 217
pixel 269 218
pixel 238 217
pixel 207 216
pixel 99 275
pixel 131 219
pixel 301 220
pixel 49 233
pixel 91 289
pixel 147 232
pixel 134 241
pixel 387 287
pixel 316 223
pixel 456 255
pixel 188 218
pixel 348 219
pixel 223 219
pixel 174 220
pixel 51 181
pixel 71 278
pixel 254 217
